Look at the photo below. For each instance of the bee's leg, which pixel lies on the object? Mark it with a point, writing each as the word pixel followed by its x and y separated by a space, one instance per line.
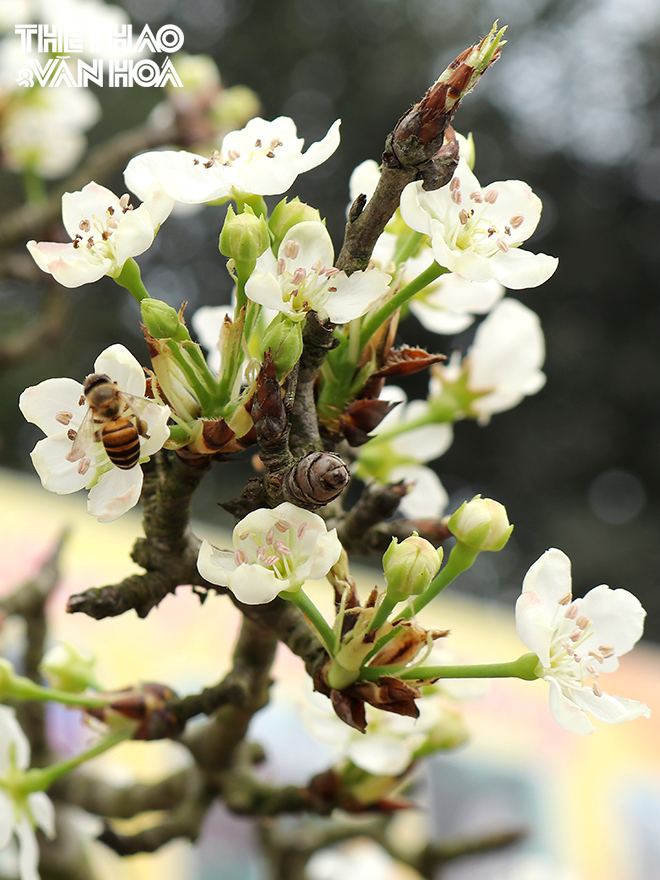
pixel 142 428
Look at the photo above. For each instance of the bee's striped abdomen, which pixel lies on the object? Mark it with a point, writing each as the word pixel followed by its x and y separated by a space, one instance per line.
pixel 121 442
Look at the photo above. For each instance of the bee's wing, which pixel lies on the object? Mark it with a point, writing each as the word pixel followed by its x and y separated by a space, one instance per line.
pixel 84 437
pixel 141 407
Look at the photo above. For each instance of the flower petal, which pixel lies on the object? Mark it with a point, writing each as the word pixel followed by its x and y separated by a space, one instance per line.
pixel 354 295
pixel 40 404
pixel 617 616
pixel 256 585
pixel 123 368
pixel 327 550
pixel 182 175
pixel 43 812
pixel 380 755
pixel 550 578
pixel 533 626
pixel 609 709
pixel 116 492
pixel 68 266
pixel 56 473
pixel 215 565
pixel 566 713
pixel 91 202
pixel 28 858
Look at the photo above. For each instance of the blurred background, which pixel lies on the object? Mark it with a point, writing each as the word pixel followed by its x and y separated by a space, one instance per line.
pixel 571 108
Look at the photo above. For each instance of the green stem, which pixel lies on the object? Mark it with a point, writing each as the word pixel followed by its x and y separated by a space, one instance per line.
pixel 371 325
pixel 460 559
pixel 524 667
pixel 386 606
pixel 406 246
pixel 22 688
pixel 131 279
pixel 309 609
pixel 40 779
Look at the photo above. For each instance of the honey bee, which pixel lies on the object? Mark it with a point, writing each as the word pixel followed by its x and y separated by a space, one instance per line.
pixel 113 419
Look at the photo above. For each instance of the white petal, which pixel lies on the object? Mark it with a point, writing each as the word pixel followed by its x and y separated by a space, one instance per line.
pixel 518 269
pixel 215 565
pixel 608 709
pixel 69 266
pixel 28 850
pixel 427 498
pixel 123 368
pixel 327 551
pixel 354 295
pixel 566 713
pixel 41 403
pixel 133 236
pixel 424 444
pixel 43 812
pixel 156 417
pixel 318 152
pixel 181 174
pixel 11 735
pixel 550 578
pixel 116 492
pixel 533 627
pixel 158 203
pixel 265 289
pixel 6 819
pixel 438 320
pixel 56 473
pixel 92 201
pixel 364 179
pixel 256 585
pixel 314 242
pixel 380 755
pixel 617 616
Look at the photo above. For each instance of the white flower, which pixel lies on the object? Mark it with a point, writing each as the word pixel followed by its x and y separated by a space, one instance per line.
pixel 264 158
pixel 64 113
pixel 400 445
pixel 449 304
pixel 476 232
pixel 20 812
pixel 359 858
pixel 577 639
pixel 302 279
pixel 58 407
pixel 274 550
pixel 503 364
pixel 105 232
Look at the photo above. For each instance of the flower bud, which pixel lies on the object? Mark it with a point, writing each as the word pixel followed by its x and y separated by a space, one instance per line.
pixel 481 524
pixel 284 339
pixel 162 321
pixel 410 566
pixel 67 669
pixel 287 214
pixel 244 236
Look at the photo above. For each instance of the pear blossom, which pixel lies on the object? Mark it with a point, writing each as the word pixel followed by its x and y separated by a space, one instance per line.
pixel 503 364
pixel 361 858
pixel 274 551
pixel 477 231
pixel 448 305
pixel 105 233
pixel 58 407
pixel 576 640
pixel 20 812
pixel 264 158
pixel 398 452
pixel 302 279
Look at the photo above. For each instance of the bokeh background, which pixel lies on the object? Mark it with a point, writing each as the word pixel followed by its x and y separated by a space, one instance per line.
pixel 572 108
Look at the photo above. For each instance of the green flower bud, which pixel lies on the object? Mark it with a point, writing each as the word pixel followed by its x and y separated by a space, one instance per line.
pixel 162 321
pixel 481 524
pixel 287 214
pixel 234 107
pixel 284 339
pixel 410 566
pixel 67 669
pixel 244 236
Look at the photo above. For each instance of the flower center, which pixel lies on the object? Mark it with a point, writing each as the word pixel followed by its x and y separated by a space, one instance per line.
pixel 271 549
pixel 95 234
pixel 302 289
pixel 572 660
pixel 475 230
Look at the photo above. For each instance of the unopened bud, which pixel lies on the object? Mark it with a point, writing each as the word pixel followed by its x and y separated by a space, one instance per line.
pixel 288 214
pixel 162 321
pixel 244 236
pixel 410 566
pixel 284 339
pixel 481 524
pixel 68 669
